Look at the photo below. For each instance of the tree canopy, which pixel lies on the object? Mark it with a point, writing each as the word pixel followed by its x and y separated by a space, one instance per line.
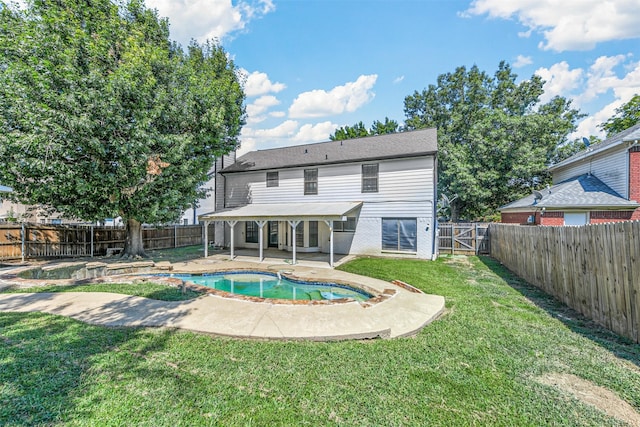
pixel 101 115
pixel 496 140
pixel 359 130
pixel 626 116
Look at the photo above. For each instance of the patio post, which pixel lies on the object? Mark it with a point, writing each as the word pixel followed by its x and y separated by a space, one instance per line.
pixel 294 225
pixel 206 239
pixel 232 224
pixel 260 226
pixel 330 225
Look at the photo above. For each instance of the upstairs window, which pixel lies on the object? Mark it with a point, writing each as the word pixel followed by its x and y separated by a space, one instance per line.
pixel 370 178
pixel 310 181
pixel 272 179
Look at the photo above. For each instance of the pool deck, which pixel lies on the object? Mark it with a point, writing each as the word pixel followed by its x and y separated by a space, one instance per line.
pixel 399 312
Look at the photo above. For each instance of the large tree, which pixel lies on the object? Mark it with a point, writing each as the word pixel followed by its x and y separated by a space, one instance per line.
pixel 101 115
pixel 626 116
pixel 495 138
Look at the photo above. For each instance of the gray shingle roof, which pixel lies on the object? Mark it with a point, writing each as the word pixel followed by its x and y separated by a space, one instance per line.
pixel 584 191
pixel 394 145
pixel 630 134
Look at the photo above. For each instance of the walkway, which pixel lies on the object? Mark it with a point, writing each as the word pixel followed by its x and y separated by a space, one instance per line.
pixel 402 313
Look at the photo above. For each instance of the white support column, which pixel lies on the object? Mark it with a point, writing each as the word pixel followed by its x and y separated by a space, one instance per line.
pixel 260 227
pixel 330 225
pixel 294 225
pixel 206 239
pixel 232 224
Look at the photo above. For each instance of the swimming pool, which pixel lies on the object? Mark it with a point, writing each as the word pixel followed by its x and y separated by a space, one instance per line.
pixel 270 285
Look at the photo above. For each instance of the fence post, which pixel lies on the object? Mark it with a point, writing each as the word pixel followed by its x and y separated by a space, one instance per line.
pixel 22 231
pixel 476 239
pixel 92 241
pixel 453 239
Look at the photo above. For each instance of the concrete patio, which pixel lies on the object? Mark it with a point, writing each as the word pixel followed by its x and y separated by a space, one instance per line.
pixel 399 311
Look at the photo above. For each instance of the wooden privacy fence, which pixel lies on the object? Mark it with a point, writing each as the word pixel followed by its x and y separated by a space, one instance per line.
pixel 43 241
pixel 462 238
pixel 594 269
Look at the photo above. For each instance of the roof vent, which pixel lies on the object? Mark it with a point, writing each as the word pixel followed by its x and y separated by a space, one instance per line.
pixel 326 157
pixel 306 151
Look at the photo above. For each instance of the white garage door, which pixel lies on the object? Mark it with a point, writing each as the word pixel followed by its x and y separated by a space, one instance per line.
pixel 575 218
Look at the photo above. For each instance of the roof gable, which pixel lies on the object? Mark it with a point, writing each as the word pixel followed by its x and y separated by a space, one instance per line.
pixel 394 145
pixel 631 134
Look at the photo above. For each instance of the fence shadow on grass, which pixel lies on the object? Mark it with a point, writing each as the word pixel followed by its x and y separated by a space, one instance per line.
pixel 575 321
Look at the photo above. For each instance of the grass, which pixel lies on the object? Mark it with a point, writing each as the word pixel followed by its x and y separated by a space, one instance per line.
pixel 477 365
pixel 141 289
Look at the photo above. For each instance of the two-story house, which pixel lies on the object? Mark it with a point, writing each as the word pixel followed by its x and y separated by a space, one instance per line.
pixel 365 196
pixel 599 184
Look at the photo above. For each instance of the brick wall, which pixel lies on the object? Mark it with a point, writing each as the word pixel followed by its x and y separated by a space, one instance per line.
pixel 551 218
pixel 515 217
pixel 599 217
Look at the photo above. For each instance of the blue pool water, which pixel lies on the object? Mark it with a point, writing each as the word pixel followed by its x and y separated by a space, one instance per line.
pixel 266 285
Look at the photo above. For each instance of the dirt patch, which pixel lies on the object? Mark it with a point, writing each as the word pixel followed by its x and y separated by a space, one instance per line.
pixel 591 394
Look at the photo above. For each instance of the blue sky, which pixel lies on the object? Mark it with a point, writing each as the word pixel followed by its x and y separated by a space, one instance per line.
pixel 312 66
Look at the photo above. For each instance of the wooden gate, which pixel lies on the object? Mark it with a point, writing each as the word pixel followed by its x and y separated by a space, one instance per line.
pixel 466 239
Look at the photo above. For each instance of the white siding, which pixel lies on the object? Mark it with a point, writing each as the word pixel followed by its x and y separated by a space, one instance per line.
pixel 401 180
pixel 610 167
pixel 405 190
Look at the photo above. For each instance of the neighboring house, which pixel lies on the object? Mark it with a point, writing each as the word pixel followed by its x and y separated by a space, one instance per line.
pixel 599 184
pixel 17 212
pixel 366 196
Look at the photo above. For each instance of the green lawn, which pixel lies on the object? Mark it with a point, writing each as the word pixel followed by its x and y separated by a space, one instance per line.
pixel 141 289
pixel 477 365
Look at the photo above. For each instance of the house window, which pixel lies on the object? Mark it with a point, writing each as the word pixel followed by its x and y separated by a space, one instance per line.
pixel 300 235
pixel 272 179
pixel 370 178
pixel 310 181
pixel 399 234
pixel 313 234
pixel 251 232
pixel 348 225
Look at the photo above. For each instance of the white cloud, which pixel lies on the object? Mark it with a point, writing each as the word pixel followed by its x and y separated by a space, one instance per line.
pixel 559 80
pixel 260 106
pixel 315 132
pixel 340 99
pixel 522 61
pixel 599 80
pixel 206 19
pixel 567 24
pixel 258 83
pixel 398 80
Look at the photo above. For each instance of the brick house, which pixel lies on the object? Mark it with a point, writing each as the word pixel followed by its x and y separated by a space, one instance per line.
pixel 599 184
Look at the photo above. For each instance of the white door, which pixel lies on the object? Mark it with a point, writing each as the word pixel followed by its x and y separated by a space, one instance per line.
pixel 575 218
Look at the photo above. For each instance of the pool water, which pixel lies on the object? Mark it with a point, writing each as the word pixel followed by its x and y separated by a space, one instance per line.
pixel 265 285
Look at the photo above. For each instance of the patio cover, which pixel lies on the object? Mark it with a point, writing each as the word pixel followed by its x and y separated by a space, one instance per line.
pixel 336 211
pixel 293 213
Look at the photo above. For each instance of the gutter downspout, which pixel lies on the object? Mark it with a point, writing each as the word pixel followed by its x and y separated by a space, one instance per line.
pixel 435 233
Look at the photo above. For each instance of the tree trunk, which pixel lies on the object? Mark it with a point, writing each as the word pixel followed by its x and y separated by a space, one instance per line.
pixel 133 246
pixel 455 212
